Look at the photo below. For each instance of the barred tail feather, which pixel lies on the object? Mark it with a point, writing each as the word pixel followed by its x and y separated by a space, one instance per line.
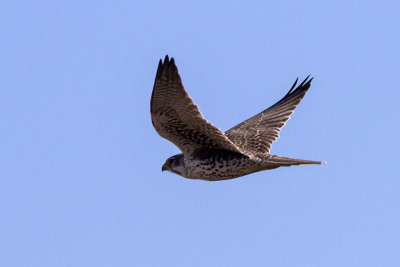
pixel 283 161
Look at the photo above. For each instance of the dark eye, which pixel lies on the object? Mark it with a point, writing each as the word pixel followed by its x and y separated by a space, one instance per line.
pixel 171 162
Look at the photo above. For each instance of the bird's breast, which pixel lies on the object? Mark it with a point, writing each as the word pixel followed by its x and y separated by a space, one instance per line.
pixel 219 166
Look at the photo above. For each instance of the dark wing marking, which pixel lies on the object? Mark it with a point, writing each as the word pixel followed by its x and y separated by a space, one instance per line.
pixel 176 118
pixel 255 135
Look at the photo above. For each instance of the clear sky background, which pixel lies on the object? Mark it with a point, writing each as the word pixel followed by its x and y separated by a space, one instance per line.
pixel 80 162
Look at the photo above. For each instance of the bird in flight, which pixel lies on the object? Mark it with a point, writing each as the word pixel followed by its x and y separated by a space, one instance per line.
pixel 207 152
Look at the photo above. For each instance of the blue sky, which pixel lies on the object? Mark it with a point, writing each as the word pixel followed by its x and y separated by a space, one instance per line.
pixel 80 162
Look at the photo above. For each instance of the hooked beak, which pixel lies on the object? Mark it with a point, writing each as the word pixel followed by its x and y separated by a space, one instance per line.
pixel 164 168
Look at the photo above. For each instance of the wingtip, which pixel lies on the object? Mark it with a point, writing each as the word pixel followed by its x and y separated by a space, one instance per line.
pixel 168 61
pixel 323 162
pixel 305 81
pixel 293 86
pixel 159 69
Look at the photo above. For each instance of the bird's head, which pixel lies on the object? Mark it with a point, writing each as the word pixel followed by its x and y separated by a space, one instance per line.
pixel 175 164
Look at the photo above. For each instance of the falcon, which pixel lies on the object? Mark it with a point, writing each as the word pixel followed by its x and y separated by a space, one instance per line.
pixel 207 152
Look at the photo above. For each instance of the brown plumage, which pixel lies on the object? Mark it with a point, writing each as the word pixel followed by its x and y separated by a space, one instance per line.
pixel 177 118
pixel 256 135
pixel 209 153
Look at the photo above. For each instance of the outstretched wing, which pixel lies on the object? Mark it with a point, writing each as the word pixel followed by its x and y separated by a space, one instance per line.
pixel 176 118
pixel 255 135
